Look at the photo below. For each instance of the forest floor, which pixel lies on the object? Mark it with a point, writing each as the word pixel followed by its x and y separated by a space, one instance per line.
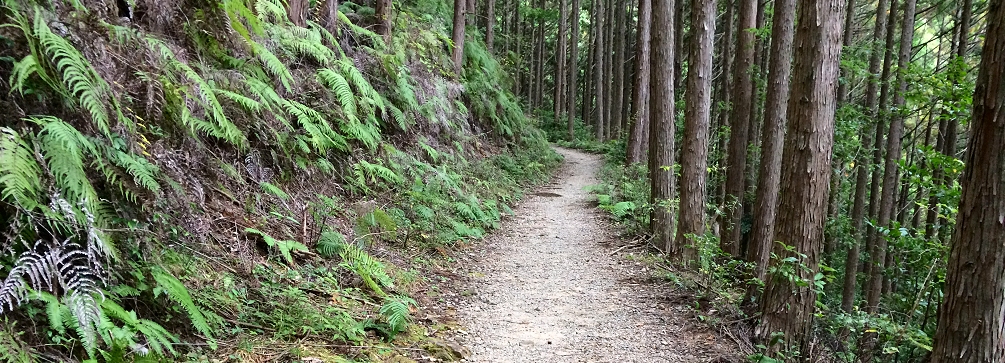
pixel 552 285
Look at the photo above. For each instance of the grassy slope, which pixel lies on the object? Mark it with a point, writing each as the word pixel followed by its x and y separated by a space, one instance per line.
pixel 299 208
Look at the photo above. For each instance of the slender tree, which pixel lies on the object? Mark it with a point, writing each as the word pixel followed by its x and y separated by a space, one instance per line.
pixel 458 36
pixel 661 142
pixel 383 13
pixel 560 72
pixel 618 89
pixel 599 112
pixel 862 164
pixel 573 68
pixel 697 121
pixel 790 295
pixel 490 25
pixel 638 136
pixel 766 200
pixel 297 9
pixel 738 129
pixel 971 326
pixel 330 19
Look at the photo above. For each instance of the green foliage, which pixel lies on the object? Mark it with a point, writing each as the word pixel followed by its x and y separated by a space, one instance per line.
pixel 285 247
pixel 396 313
pixel 174 289
pixel 330 244
pixel 366 267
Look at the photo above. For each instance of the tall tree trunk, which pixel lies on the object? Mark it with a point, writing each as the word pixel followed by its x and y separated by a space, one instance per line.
pixel 520 73
pixel 893 146
pixel 573 69
pixel 849 26
pixel 589 87
pixel 598 73
pixel 490 25
pixel 680 53
pixel 863 162
pixel 806 170
pixel 971 326
pixel 766 201
pixel 331 16
pixel 638 137
pixel 470 11
pixel 539 70
pixel 458 36
pixel 619 70
pixel 878 142
pixel 697 121
pixel 560 72
pixel 739 129
pixel 297 10
pixel 609 25
pixel 724 90
pixel 662 118
pixel 383 13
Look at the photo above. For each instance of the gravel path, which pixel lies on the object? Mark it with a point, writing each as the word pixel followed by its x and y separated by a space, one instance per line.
pixel 546 288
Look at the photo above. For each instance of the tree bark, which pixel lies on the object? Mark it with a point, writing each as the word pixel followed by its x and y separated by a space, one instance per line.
pixel 383 13
pixel 697 121
pixel 971 327
pixel 736 161
pixel 661 142
pixel 560 72
pixel 331 16
pixel 608 73
pixel 893 146
pixel 806 170
pixel 618 89
pixel 769 177
pixel 599 112
pixel 297 10
pixel 458 36
pixel 725 86
pixel 490 26
pixel 863 162
pixel 573 69
pixel 638 137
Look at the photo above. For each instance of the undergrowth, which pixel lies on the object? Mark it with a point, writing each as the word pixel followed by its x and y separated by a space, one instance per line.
pixel 224 186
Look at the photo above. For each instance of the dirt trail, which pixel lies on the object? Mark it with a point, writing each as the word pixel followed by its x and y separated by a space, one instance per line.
pixel 546 288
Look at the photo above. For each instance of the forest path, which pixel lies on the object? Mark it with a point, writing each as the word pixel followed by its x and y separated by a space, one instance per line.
pixel 547 288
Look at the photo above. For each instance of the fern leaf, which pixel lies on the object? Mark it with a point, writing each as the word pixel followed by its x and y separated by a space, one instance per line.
pixel 343 91
pixel 395 312
pixel 19 172
pixel 176 291
pixel 272 63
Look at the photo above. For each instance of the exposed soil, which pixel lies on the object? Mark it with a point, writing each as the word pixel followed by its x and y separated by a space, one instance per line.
pixel 550 286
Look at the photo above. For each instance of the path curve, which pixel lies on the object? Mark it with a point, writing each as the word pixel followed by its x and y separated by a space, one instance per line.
pixel 545 288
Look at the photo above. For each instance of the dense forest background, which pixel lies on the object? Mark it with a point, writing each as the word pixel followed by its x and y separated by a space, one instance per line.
pixel 260 179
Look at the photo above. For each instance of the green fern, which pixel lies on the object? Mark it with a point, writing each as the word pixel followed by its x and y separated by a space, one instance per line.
pixel 271 10
pixel 20 174
pixel 275 191
pixel 284 246
pixel 330 244
pixel 272 63
pixel 368 268
pixel 63 149
pixel 337 83
pixel 157 338
pixel 176 291
pixel 395 311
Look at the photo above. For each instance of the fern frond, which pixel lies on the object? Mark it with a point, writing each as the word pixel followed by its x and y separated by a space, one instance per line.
pixel 19 172
pixel 272 63
pixel 395 312
pixel 335 82
pixel 330 244
pixel 242 100
pixel 368 268
pixel 144 173
pixel 271 11
pixel 81 80
pixel 176 291
pixel 64 148
pixel 274 190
